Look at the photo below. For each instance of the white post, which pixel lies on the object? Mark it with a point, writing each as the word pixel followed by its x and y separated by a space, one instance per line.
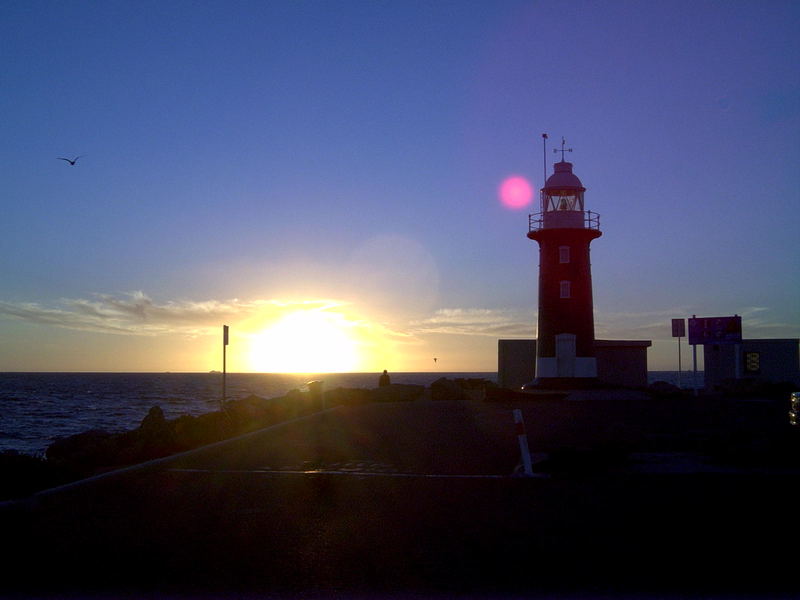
pixel 523 443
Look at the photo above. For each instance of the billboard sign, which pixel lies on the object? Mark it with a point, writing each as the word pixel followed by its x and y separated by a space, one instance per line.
pixel 678 327
pixel 715 330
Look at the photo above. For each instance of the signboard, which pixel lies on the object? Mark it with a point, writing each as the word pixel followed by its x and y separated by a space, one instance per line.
pixel 752 362
pixel 678 327
pixel 715 330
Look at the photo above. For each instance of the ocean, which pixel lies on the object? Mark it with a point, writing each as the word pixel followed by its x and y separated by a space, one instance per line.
pixel 38 408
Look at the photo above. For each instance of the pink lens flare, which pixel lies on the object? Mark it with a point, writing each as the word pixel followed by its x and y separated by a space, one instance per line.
pixel 515 192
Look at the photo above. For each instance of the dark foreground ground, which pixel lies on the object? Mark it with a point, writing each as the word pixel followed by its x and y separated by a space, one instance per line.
pixel 417 500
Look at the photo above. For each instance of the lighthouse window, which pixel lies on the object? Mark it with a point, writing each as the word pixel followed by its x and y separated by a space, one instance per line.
pixel 565 289
pixel 563 254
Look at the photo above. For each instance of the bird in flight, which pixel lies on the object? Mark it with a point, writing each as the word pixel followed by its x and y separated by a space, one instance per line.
pixel 72 162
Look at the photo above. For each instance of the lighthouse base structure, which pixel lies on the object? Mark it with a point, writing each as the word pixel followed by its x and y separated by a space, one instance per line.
pixel 618 363
pixel 565 366
pixel 578 367
pixel 581 373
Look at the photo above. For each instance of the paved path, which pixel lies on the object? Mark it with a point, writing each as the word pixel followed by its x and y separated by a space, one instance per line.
pixel 412 498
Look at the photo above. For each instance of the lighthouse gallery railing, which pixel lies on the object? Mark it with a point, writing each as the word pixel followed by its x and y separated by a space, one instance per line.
pixel 591 220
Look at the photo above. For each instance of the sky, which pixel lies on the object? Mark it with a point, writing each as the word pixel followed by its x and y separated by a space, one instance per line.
pixel 323 177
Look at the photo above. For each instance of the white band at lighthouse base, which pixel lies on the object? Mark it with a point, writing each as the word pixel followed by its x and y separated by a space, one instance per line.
pixel 583 367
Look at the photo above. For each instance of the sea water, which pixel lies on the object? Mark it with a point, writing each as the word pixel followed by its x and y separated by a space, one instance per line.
pixel 38 408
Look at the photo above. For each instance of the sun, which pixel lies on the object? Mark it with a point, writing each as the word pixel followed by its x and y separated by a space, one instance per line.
pixel 306 341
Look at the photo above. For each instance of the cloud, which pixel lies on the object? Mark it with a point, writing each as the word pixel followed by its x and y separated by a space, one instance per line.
pixel 478 321
pixel 35 313
pixel 757 322
pixel 138 314
pixel 649 325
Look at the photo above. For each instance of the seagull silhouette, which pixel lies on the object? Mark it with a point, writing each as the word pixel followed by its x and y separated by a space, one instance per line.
pixel 72 162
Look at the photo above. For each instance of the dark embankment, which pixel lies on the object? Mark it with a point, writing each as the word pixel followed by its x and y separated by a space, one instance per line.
pixel 94 452
pixel 416 499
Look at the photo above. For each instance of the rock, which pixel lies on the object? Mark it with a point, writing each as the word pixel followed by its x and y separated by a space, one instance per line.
pixel 193 432
pixel 347 397
pixel 154 422
pixel 446 389
pixel 79 448
pixel 474 388
pixel 186 436
pixel 397 392
pixel 248 413
pixel 154 438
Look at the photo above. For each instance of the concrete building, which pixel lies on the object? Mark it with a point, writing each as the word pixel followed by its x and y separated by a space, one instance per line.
pixel 516 363
pixel 758 361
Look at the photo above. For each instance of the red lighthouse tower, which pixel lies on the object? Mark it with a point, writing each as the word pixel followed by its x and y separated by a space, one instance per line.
pixel 564 230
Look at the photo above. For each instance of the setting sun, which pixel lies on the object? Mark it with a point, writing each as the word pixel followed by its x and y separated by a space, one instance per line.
pixel 306 341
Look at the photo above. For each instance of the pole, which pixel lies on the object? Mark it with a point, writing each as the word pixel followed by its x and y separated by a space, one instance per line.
pixel 224 363
pixel 523 443
pixel 678 331
pixel 694 357
pixel 544 159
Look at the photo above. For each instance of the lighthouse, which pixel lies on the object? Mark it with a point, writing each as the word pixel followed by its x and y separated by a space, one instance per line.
pixel 565 348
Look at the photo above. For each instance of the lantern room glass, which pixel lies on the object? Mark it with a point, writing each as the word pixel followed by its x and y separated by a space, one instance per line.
pixel 553 200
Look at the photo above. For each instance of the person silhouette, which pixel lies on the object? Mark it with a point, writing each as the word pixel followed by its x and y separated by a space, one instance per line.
pixel 384 380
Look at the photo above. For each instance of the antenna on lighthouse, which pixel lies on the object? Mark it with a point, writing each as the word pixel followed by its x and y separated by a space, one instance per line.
pixel 544 158
pixel 563 143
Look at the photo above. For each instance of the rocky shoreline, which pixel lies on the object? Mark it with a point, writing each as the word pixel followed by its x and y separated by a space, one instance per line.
pixel 95 451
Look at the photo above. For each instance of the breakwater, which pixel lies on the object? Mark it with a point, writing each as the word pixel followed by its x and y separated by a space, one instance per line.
pixel 38 408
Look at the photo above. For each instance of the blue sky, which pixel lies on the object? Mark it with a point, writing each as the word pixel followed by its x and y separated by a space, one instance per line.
pixel 242 160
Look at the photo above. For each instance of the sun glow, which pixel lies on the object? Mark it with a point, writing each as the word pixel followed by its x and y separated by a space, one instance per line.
pixel 306 341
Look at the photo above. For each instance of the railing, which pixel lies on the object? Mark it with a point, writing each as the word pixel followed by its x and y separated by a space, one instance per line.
pixel 591 220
